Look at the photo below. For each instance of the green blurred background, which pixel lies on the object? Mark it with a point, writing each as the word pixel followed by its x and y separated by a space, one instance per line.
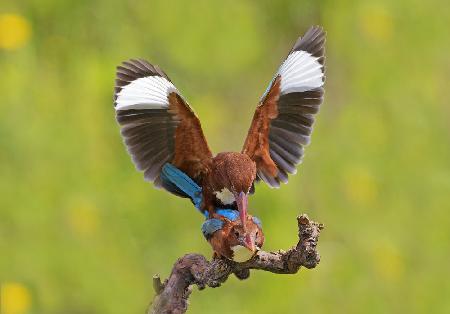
pixel 80 230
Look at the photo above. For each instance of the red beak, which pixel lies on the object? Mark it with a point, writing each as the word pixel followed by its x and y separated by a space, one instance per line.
pixel 242 202
pixel 249 243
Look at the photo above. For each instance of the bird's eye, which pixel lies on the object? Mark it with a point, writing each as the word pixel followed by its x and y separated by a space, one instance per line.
pixel 236 234
pixel 256 234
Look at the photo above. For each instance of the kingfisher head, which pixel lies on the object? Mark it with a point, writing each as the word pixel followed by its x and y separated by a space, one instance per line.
pixel 232 239
pixel 246 239
pixel 232 180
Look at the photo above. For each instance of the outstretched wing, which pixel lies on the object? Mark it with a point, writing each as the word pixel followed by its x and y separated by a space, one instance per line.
pixel 283 120
pixel 157 124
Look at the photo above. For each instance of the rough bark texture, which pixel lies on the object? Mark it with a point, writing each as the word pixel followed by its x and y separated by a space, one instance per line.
pixel 194 269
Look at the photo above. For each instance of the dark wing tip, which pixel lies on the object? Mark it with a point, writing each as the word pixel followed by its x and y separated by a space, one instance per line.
pixel 139 68
pixel 313 42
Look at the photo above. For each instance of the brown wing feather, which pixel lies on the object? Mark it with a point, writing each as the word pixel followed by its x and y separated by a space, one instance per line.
pixel 192 154
pixel 157 124
pixel 256 145
pixel 282 123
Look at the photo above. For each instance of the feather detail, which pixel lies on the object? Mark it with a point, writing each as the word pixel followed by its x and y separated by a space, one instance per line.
pixel 210 226
pixel 157 124
pixel 282 124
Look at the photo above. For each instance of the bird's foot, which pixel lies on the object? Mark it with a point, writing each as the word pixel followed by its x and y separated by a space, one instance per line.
pixel 242 274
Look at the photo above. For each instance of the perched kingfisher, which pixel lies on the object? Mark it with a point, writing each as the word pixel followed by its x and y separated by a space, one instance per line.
pixel 166 142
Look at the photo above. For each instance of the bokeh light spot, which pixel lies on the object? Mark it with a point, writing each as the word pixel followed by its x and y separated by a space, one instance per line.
pixel 376 22
pixel 15 31
pixel 360 186
pixel 388 261
pixel 83 218
pixel 15 298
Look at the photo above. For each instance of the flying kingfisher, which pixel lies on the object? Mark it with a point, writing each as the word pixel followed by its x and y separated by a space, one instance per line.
pixel 166 142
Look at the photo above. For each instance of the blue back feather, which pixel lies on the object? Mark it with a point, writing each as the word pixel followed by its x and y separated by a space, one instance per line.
pixel 230 214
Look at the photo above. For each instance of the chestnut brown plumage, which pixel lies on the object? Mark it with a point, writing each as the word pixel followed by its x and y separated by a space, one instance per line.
pixel 234 234
pixel 159 127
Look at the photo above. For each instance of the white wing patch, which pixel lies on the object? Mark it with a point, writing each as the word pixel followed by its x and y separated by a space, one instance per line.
pixel 300 72
pixel 225 196
pixel 145 93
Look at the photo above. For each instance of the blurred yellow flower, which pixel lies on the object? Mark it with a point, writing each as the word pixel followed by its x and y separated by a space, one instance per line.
pixel 15 298
pixel 83 218
pixel 15 31
pixel 360 186
pixel 388 261
pixel 376 22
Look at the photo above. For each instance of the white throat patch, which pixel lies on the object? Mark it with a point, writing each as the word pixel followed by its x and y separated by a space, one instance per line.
pixel 241 254
pixel 225 196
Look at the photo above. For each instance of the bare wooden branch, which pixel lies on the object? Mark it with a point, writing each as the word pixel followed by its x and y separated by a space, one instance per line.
pixel 194 269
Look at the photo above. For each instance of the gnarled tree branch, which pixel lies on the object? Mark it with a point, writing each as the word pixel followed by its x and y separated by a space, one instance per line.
pixel 193 269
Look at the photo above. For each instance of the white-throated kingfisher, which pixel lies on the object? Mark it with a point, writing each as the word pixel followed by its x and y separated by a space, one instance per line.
pixel 165 140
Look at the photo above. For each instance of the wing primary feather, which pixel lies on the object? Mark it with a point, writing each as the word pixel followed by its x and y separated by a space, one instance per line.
pixel 283 164
pixel 284 153
pixel 298 138
pixel 156 131
pixel 273 182
pixel 291 147
pixel 282 176
pixel 154 170
pixel 292 112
